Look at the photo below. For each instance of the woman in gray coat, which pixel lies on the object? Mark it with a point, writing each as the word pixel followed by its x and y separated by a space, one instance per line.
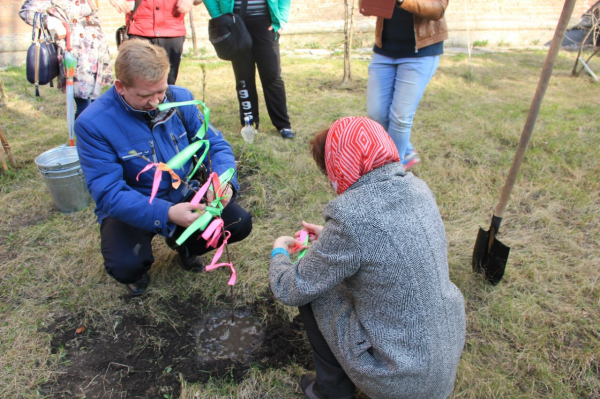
pixel 373 290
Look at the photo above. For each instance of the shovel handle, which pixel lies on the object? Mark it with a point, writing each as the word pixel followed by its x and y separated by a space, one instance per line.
pixel 536 104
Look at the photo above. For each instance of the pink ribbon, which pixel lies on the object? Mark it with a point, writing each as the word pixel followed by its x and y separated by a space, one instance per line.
pixel 216 185
pixel 213 265
pixel 213 233
pixel 157 178
pixel 200 194
pixel 160 167
pixel 233 274
pixel 303 234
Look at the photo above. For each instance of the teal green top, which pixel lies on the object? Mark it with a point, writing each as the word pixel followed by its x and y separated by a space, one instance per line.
pixel 279 9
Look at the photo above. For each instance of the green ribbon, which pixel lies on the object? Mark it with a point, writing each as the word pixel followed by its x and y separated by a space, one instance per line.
pixel 206 113
pixel 188 152
pixel 199 224
pixel 214 209
pixel 303 252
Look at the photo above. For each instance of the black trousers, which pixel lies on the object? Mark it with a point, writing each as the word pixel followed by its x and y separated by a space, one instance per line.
pixel 127 250
pixel 264 56
pixel 332 380
pixel 174 48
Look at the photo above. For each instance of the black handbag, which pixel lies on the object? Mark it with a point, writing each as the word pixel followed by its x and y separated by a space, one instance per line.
pixel 122 32
pixel 229 36
pixel 42 58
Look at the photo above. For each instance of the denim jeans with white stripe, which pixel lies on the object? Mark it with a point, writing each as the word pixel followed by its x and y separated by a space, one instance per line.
pixel 394 91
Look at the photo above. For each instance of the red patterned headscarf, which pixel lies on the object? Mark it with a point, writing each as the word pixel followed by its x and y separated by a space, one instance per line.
pixel 354 147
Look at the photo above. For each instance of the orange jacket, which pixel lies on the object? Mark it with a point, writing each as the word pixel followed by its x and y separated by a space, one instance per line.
pixel 429 21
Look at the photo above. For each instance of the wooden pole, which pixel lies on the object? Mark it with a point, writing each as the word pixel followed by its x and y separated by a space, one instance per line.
pixel 536 104
pixel 7 148
pixel 193 29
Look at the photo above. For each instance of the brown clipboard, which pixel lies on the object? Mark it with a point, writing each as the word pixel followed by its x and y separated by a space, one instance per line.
pixel 378 8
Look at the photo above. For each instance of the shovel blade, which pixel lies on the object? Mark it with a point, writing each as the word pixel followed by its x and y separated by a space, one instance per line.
pixel 491 261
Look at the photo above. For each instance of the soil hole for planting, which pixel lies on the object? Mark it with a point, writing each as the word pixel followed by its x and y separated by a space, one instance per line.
pixel 218 337
pixel 136 357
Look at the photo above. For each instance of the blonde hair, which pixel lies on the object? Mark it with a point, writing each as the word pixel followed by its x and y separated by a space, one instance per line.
pixel 141 59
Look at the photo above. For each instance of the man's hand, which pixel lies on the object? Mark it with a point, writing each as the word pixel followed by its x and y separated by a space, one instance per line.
pixel 184 6
pixel 290 244
pixel 313 230
pixel 122 6
pixel 210 196
pixel 183 215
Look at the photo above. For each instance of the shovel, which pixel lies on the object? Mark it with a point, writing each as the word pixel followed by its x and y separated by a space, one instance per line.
pixel 489 254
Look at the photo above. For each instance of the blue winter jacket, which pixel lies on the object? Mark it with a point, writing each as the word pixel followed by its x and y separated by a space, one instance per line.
pixel 107 133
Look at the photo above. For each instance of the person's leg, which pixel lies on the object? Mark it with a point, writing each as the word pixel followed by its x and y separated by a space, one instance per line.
pixel 245 87
pixel 81 104
pixel 380 88
pixel 236 220
pixel 265 47
pixel 127 250
pixel 412 77
pixel 174 48
pixel 332 380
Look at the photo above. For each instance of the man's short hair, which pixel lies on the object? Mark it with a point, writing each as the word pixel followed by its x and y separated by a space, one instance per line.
pixel 141 59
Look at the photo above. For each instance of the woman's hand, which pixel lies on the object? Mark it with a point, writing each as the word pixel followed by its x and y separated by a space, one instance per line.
pixel 55 25
pixel 290 244
pixel 121 6
pixel 313 230
pixel 278 32
pixel 184 6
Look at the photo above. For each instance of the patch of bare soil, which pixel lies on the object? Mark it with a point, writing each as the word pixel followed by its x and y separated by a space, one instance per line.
pixel 138 358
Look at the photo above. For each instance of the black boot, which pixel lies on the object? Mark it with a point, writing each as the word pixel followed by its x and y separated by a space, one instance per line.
pixel 187 261
pixel 140 286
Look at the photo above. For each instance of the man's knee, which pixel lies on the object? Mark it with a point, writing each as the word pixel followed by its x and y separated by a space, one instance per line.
pixel 245 226
pixel 242 227
pixel 128 268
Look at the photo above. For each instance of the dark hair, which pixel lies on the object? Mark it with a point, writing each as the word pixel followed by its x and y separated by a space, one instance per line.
pixel 317 148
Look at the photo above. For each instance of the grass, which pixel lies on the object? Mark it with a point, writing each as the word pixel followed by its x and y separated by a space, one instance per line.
pixel 536 334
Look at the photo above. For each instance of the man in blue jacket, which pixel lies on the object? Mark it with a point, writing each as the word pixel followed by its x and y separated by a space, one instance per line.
pixel 117 136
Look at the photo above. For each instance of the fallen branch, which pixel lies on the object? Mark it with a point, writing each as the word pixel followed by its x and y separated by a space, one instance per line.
pixel 7 148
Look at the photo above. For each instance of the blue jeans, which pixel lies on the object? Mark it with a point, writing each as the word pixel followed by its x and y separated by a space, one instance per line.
pixel 394 91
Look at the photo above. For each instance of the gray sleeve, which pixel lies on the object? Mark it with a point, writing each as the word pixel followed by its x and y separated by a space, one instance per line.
pixel 332 258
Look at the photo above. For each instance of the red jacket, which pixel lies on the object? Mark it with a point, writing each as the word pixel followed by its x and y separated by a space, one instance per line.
pixel 157 18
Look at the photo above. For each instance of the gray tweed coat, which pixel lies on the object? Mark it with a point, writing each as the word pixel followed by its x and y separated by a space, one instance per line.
pixel 377 279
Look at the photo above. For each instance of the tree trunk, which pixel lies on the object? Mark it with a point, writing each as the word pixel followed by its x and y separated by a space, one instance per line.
pixel 193 29
pixel 348 30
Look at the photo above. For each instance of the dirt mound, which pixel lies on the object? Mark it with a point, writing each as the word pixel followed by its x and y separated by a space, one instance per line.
pixel 138 357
